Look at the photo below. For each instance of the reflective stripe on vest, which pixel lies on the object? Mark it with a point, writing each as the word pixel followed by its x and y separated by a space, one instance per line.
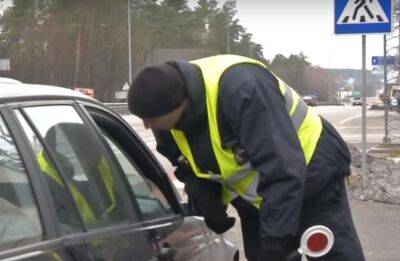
pixel 108 180
pixel 243 180
pixel 81 202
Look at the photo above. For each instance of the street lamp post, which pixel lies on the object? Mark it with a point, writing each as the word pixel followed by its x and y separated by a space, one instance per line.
pixel 228 48
pixel 129 43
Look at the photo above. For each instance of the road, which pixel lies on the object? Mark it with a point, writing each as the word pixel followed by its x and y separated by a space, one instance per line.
pixel 347 121
pixel 378 224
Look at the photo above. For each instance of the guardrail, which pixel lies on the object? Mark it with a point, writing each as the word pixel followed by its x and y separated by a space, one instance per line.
pixel 120 108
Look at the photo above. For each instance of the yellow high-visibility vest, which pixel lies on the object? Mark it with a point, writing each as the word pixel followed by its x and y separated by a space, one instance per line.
pixel 48 169
pixel 84 207
pixel 242 180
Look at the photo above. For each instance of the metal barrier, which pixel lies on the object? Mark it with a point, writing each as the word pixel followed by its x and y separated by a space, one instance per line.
pixel 120 108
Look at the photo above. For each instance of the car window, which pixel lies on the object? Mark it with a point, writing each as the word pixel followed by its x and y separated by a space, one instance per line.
pixel 149 197
pixel 19 216
pixel 67 216
pixel 75 165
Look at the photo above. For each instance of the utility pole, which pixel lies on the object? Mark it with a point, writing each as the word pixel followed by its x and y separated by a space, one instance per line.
pixel 391 73
pixel 329 85
pixel 228 48
pixel 129 43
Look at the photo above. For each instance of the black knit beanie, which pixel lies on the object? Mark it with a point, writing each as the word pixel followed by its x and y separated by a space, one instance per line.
pixel 156 91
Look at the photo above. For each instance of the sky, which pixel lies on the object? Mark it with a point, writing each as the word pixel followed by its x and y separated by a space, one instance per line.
pixel 293 26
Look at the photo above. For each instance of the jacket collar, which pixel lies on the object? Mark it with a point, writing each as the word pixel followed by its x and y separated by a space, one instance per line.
pixel 195 115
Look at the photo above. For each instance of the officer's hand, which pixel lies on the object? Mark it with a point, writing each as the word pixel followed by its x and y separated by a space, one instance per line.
pixel 219 224
pixel 182 172
pixel 214 215
pixel 214 212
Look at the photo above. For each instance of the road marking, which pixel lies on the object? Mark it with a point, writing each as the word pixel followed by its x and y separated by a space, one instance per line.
pixel 369 114
pixel 350 119
pixel 343 128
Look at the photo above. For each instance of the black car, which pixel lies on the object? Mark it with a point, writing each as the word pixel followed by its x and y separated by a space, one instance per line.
pixel 77 183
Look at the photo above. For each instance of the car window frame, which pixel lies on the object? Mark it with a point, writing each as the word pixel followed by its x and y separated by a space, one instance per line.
pixel 52 239
pixel 40 194
pixel 164 183
pixel 91 128
pixel 27 104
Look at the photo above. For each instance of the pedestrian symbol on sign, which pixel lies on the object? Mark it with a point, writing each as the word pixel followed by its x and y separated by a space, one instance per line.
pixel 363 11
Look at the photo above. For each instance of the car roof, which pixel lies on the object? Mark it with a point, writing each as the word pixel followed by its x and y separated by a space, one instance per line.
pixel 21 91
pixel 8 80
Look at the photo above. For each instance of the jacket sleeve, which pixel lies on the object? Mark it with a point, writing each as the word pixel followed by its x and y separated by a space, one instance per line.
pixel 254 109
pixel 166 145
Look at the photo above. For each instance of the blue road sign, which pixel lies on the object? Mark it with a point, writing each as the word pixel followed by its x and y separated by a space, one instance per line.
pixel 363 16
pixel 380 60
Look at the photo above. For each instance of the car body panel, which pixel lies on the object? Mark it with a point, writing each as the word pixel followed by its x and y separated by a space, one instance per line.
pixel 9 81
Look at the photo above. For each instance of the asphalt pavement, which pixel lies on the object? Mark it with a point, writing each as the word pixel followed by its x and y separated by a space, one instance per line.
pixel 378 224
pixel 347 121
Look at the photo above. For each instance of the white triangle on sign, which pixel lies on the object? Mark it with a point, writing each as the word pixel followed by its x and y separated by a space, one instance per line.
pixel 126 87
pixel 362 12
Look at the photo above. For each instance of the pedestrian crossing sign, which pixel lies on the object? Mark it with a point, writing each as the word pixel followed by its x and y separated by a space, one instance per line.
pixel 363 16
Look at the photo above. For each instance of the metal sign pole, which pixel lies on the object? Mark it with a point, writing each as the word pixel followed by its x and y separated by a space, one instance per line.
pixel 364 107
pixel 386 96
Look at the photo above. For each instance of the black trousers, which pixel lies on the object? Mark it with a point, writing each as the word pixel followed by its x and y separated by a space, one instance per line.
pixel 329 208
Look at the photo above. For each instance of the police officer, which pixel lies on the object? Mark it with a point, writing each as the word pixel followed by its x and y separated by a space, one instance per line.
pixel 249 140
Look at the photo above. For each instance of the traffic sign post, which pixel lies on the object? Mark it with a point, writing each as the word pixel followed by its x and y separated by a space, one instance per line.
pixel 363 17
pixel 364 106
pixel 386 96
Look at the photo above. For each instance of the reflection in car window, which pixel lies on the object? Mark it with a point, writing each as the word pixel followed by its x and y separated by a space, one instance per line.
pixel 152 202
pixel 86 173
pixel 68 218
pixel 19 218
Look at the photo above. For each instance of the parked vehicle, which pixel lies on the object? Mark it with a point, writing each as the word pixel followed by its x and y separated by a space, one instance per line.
pixel 356 101
pixel 310 100
pixel 77 183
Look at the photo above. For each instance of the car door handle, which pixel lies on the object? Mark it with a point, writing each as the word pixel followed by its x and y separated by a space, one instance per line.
pixel 166 252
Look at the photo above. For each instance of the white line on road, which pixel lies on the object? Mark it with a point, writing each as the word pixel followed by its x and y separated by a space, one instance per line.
pixel 369 114
pixel 349 119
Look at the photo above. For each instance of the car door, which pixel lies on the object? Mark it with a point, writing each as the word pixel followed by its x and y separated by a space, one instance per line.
pixel 26 231
pixel 93 214
pixel 175 237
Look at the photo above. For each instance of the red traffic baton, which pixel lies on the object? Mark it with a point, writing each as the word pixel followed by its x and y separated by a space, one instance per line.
pixel 316 241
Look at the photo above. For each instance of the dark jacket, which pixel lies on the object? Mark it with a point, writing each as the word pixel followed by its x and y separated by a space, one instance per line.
pixel 252 112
